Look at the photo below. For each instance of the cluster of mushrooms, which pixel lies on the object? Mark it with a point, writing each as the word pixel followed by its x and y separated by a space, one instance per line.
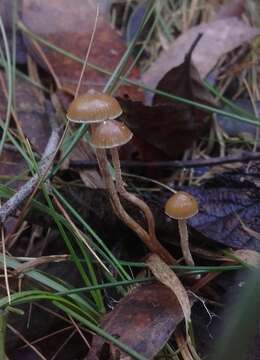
pixel 100 111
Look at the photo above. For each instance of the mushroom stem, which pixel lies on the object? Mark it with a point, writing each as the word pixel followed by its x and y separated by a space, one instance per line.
pixel 183 230
pixel 131 197
pixel 152 243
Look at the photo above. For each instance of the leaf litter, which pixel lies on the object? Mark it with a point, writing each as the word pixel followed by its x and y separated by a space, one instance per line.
pixel 164 130
pixel 219 37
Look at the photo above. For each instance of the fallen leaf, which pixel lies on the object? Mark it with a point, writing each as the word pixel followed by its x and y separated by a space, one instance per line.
pixel 229 9
pixel 143 320
pixel 31 114
pixel 169 129
pixel 11 163
pixel 224 202
pixel 69 25
pixel 167 277
pixel 219 37
pixel 250 257
pixel 184 81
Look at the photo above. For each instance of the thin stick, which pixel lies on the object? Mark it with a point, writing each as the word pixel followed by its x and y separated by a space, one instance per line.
pixel 26 342
pixel 47 63
pixel 88 53
pixel 175 164
pixel 5 266
pixel 29 187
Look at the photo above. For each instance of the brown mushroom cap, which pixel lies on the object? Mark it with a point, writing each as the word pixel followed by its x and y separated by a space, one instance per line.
pixel 181 206
pixel 93 108
pixel 110 134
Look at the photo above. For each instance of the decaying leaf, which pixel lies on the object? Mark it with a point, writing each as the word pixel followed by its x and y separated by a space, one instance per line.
pixel 219 37
pixel 184 81
pixel 69 25
pixel 168 278
pixel 224 202
pixel 229 9
pixel 144 320
pixel 31 114
pixel 169 129
pixel 11 164
pixel 250 257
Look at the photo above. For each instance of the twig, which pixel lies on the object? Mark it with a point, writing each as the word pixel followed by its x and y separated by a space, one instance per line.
pixel 174 164
pixel 33 263
pixel 47 159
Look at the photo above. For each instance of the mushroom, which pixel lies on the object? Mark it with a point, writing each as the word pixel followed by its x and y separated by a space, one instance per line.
pixel 93 108
pixel 182 206
pixel 110 135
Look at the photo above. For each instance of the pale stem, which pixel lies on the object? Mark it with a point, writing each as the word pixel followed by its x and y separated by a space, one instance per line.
pixel 183 230
pixel 131 197
pixel 152 243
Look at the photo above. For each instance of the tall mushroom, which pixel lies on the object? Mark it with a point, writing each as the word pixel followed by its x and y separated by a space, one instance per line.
pixel 181 207
pixel 110 135
pixel 99 110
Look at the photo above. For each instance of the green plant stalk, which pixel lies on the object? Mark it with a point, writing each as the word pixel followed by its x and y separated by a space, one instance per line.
pixel 96 293
pixel 8 71
pixel 68 244
pixel 106 286
pixel 52 284
pixel 3 315
pixel 14 20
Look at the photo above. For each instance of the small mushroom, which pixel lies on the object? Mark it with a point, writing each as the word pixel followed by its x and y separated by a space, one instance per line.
pixel 110 134
pixel 182 206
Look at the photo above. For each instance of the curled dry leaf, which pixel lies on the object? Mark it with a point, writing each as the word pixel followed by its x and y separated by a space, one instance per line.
pixel 219 37
pixel 69 25
pixel 168 278
pixel 143 320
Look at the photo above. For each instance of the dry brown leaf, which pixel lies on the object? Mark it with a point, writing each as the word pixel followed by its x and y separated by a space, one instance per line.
pixel 167 277
pixel 219 37
pixel 31 114
pixel 143 320
pixel 69 25
pixel 248 256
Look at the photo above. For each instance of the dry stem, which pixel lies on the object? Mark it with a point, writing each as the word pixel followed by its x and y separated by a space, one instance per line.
pixel 11 205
